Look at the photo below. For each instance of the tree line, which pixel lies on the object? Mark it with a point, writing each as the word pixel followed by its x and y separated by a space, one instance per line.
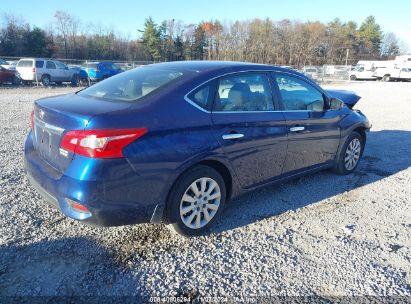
pixel 283 42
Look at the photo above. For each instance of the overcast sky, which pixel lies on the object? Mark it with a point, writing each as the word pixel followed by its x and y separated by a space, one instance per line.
pixel 128 16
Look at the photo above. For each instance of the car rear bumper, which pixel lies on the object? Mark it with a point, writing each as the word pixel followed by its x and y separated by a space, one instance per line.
pixel 58 190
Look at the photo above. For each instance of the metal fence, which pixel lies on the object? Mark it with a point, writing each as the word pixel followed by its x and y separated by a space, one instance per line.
pixel 124 64
pixel 328 73
pixel 321 74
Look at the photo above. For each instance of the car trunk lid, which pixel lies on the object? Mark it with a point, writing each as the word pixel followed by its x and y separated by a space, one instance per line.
pixel 54 116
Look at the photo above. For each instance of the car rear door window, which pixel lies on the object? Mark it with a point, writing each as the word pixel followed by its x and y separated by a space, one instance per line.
pixel 244 92
pixel 298 95
pixel 50 65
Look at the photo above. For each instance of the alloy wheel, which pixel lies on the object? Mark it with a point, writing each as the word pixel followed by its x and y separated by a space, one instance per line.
pixel 200 203
pixel 352 154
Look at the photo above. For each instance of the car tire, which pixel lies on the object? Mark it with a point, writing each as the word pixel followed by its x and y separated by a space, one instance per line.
pixel 75 81
pixel 45 80
pixel 196 201
pixel 350 154
pixel 16 80
pixel 386 78
pixel 353 77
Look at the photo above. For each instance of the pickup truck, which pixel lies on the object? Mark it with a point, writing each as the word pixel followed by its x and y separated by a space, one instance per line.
pixel 394 73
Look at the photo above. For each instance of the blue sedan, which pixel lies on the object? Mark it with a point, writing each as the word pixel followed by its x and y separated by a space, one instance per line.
pixel 174 142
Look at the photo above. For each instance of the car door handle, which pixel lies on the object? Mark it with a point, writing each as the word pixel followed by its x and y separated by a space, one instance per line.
pixel 233 136
pixel 297 129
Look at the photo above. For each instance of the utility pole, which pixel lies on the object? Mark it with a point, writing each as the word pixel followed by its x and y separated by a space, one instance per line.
pixel 346 57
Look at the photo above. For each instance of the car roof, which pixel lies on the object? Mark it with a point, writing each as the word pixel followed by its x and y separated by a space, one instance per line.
pixel 216 66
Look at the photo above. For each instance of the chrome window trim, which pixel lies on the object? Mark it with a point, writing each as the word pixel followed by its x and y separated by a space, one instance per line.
pixel 191 102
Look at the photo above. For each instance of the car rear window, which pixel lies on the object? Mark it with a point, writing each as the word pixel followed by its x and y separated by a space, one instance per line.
pixel 39 64
pixel 25 64
pixel 132 85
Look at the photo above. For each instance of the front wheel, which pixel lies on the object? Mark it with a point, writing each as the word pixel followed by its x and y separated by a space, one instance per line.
pixel 350 154
pixel 386 78
pixel 16 80
pixel 196 201
pixel 353 77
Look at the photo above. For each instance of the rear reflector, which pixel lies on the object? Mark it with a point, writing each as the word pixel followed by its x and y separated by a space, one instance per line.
pixel 100 143
pixel 77 207
pixel 76 210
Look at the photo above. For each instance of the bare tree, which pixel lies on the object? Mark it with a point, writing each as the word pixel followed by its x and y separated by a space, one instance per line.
pixel 64 24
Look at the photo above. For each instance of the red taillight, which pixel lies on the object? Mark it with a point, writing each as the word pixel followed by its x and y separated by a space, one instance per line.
pixel 32 120
pixel 34 70
pixel 100 143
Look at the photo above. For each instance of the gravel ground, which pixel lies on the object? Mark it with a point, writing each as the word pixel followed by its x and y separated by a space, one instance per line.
pixel 323 235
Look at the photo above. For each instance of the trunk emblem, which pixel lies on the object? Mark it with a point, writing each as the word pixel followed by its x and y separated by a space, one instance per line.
pixel 41 114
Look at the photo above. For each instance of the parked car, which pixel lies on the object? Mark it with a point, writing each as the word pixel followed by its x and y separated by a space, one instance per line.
pixel 101 70
pixel 83 76
pixel 174 142
pixel 10 76
pixel 46 71
pixel 313 72
pixel 4 64
pixel 395 73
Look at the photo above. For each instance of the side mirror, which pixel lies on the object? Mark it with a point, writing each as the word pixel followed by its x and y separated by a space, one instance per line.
pixel 335 104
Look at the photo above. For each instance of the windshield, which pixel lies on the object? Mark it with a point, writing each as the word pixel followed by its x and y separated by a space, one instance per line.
pixel 132 85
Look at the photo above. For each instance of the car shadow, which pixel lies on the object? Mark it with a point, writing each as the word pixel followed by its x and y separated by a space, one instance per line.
pixel 63 270
pixel 386 153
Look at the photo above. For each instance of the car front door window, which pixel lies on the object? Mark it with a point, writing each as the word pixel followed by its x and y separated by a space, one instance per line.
pixel 298 95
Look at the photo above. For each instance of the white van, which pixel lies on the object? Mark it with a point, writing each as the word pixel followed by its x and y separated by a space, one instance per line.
pixel 46 71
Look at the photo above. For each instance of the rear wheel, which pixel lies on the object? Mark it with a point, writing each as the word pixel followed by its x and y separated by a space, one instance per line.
pixel 75 80
pixel 386 78
pixel 45 80
pixel 196 201
pixel 350 154
pixel 353 77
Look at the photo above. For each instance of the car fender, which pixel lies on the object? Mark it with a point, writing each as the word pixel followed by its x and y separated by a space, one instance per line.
pixel 349 123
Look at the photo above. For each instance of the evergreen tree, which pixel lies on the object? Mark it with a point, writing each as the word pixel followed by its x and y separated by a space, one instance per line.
pixel 152 39
pixel 370 36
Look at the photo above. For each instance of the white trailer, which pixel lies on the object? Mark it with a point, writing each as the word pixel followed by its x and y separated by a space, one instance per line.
pixel 394 73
